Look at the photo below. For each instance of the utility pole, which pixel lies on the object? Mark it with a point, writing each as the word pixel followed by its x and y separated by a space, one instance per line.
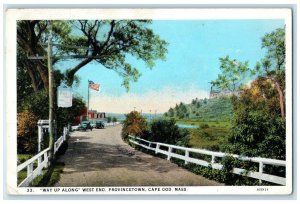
pixel 49 58
pixel 51 96
pixel 88 102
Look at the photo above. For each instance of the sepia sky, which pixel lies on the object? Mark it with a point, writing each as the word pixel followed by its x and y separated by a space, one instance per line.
pixel 194 49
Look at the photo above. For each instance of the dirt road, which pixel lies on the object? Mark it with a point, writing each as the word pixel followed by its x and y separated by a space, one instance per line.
pixel 101 158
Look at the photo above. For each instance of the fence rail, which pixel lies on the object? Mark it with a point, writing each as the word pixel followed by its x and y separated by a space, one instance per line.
pixel 156 147
pixel 35 169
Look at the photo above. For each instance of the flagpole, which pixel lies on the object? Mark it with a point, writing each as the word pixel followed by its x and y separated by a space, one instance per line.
pixel 88 103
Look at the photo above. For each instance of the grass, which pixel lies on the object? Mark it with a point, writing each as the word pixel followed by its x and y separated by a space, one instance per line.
pixel 49 176
pixel 23 157
pixel 223 124
pixel 212 137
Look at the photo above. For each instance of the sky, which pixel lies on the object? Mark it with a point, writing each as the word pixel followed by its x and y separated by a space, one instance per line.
pixel 192 61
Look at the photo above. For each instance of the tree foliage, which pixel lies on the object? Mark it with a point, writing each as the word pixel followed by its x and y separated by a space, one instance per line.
pixel 166 131
pixel 233 74
pixel 114 119
pixel 107 42
pixel 36 104
pixel 216 109
pixel 259 115
pixel 258 129
pixel 134 124
pixel 272 66
pixel 27 132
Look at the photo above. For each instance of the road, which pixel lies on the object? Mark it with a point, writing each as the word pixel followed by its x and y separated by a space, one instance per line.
pixel 102 158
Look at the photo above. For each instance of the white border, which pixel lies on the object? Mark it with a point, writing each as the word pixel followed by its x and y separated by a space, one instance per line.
pixel 155 14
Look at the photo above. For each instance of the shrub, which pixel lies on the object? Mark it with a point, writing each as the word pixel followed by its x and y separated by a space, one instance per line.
pixel 134 124
pixel 204 126
pixel 166 131
pixel 27 132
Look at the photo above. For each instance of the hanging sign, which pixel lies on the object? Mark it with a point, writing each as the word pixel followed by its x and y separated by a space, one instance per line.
pixel 64 97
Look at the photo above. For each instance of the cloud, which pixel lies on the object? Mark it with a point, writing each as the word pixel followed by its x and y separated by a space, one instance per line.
pixel 160 100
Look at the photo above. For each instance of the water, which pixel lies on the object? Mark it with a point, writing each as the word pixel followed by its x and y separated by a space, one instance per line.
pixel 186 125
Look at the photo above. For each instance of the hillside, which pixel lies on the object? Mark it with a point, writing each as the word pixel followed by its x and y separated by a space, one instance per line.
pixel 216 109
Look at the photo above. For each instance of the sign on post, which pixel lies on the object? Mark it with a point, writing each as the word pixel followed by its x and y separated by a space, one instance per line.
pixel 64 97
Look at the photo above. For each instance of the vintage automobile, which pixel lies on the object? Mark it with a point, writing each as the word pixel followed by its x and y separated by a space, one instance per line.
pixel 99 125
pixel 85 125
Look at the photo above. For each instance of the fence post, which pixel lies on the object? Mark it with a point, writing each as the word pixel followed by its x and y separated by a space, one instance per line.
pixel 40 163
pixel 67 132
pixel 29 170
pixel 54 148
pixel 261 169
pixel 169 153
pixel 157 148
pixel 40 136
pixel 64 134
pixel 46 159
pixel 212 159
pixel 187 155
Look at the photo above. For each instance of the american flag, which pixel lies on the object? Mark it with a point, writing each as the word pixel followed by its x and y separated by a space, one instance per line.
pixel 94 86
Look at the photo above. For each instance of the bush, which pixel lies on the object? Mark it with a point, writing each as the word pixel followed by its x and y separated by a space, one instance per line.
pixel 166 131
pixel 27 132
pixel 134 124
pixel 38 105
pixel 204 126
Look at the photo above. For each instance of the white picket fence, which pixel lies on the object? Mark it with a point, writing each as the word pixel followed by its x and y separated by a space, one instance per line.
pixel 156 147
pixel 42 159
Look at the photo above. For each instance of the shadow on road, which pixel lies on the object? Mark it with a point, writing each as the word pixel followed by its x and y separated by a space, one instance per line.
pixel 86 156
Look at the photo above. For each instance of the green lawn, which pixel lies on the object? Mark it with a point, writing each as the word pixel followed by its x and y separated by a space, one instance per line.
pixel 224 124
pixel 212 137
pixel 23 157
pixel 49 175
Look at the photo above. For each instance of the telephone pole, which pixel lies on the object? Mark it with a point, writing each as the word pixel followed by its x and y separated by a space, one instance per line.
pixel 49 58
pixel 88 101
pixel 51 95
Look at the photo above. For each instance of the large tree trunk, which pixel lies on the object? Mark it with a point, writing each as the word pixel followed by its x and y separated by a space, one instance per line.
pixel 33 80
pixel 281 99
pixel 44 75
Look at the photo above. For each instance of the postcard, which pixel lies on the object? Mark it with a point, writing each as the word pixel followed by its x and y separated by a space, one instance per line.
pixel 149 101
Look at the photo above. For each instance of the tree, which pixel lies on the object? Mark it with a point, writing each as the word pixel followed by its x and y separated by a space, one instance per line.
pixel 232 74
pixel 171 112
pixel 272 66
pixel 109 43
pixel 114 119
pixel 166 131
pixel 134 124
pixel 258 129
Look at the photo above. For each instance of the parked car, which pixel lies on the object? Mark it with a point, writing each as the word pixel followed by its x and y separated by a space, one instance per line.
pixel 99 125
pixel 81 127
pixel 85 125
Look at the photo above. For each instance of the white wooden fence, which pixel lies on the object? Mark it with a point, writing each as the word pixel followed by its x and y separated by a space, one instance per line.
pixel 156 147
pixel 42 159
